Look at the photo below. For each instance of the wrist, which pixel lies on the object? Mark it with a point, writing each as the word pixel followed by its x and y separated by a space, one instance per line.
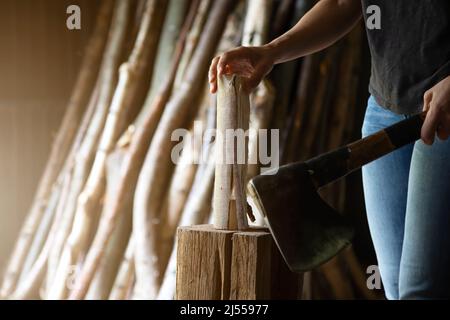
pixel 273 51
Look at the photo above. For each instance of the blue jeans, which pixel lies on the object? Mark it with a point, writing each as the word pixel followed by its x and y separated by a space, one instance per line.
pixel 407 195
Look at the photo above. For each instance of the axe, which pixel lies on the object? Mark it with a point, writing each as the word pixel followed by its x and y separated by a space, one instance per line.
pixel 307 231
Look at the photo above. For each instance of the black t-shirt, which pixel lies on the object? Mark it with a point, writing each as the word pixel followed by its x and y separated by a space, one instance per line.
pixel 410 52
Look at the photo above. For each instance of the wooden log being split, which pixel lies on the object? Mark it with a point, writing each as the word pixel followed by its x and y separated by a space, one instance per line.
pixel 229 201
pixel 224 264
pixel 155 175
pixel 198 205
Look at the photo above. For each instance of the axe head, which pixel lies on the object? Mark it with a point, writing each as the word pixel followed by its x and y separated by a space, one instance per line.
pixel 307 231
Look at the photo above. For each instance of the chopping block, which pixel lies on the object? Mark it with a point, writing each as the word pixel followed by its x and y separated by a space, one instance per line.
pixel 217 264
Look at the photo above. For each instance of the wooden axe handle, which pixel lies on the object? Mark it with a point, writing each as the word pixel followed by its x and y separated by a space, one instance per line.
pixel 338 163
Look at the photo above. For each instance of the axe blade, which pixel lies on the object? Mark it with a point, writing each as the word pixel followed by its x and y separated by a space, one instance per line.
pixel 307 231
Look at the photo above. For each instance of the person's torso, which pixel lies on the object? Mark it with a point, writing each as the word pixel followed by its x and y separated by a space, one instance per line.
pixel 409 42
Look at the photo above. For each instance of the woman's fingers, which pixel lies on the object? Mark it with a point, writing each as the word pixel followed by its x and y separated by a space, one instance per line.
pixel 212 75
pixel 430 125
pixel 241 67
pixel 426 100
pixel 226 59
pixel 243 61
pixel 226 63
pixel 223 61
pixel 437 121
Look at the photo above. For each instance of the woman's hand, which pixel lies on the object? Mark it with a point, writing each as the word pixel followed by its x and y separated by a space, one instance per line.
pixel 437 101
pixel 252 63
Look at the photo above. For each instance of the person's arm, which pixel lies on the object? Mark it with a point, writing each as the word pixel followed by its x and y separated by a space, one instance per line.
pixel 323 25
pixel 327 22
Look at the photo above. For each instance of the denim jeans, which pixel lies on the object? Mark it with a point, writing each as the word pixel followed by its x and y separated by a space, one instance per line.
pixel 407 195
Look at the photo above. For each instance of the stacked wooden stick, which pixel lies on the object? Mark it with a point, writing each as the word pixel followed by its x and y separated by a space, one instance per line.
pixel 102 224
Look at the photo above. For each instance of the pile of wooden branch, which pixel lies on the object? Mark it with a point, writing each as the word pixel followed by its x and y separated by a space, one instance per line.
pixel 103 221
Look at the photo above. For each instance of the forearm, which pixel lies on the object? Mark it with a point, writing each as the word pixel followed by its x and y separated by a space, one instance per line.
pixel 323 25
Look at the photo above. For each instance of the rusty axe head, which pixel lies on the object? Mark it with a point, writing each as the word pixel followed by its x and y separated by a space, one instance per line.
pixel 307 231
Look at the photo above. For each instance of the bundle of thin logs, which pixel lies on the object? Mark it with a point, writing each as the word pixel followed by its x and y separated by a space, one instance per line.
pixel 103 221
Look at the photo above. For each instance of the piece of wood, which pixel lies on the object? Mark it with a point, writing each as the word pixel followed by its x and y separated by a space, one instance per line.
pixel 258 270
pixel 231 158
pixel 204 263
pixel 67 171
pixel 125 275
pixel 157 169
pixel 28 287
pixel 197 207
pixel 182 180
pixel 133 160
pixel 168 46
pixel 130 76
pixel 32 276
pixel 137 144
pixel 225 264
pixel 86 152
pixel 172 31
pixel 198 204
pixel 43 229
pixel 251 266
pixel 103 281
pixel 226 109
pixel 192 40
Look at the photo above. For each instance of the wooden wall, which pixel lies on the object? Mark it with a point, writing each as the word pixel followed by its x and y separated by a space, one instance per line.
pixel 39 59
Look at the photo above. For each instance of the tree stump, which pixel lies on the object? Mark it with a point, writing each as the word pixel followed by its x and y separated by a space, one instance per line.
pixel 237 265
